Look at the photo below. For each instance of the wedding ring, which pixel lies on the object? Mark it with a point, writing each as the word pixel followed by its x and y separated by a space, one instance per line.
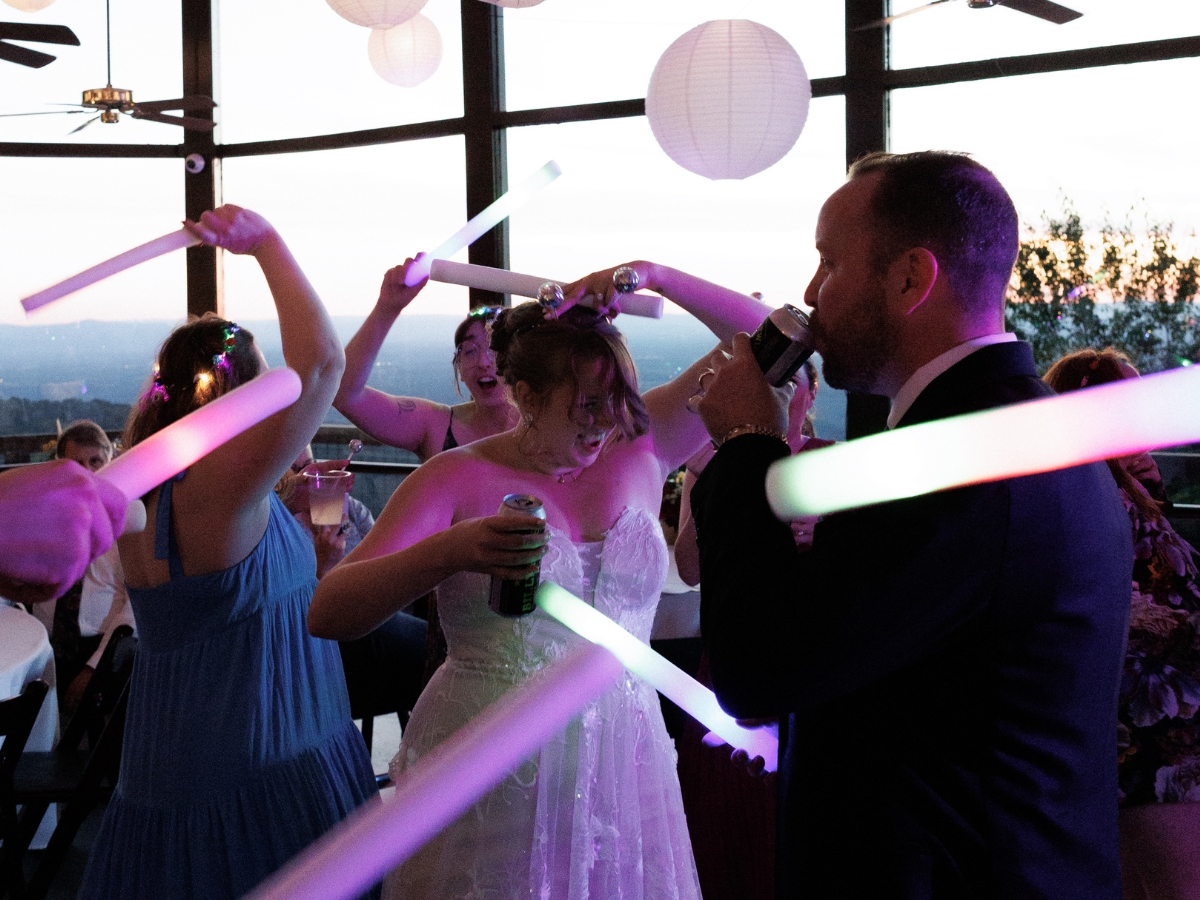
pixel 700 380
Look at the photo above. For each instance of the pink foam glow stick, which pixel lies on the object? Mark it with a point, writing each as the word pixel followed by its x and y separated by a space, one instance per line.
pixel 503 281
pixel 1111 420
pixel 168 452
pixel 176 240
pixel 443 784
pixel 657 671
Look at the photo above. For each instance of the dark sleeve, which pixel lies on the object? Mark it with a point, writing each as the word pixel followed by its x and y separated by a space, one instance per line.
pixel 879 588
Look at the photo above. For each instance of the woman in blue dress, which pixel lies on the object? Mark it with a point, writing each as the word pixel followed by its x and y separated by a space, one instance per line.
pixel 239 747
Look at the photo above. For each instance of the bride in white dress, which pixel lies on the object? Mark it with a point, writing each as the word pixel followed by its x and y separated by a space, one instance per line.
pixel 597 812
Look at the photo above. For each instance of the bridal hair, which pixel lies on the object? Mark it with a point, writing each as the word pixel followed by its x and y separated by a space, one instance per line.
pixel 199 361
pixel 545 353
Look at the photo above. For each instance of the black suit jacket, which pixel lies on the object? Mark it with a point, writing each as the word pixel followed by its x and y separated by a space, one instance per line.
pixel 947 665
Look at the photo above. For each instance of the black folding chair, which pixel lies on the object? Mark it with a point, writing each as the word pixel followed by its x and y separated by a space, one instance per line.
pixel 79 777
pixel 16 722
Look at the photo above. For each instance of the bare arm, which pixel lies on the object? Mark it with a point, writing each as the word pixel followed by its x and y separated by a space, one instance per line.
pixel 687 551
pixel 242 472
pixel 677 431
pixel 416 545
pixel 410 423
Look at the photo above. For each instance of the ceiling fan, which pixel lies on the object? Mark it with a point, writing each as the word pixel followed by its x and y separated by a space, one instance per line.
pixel 112 102
pixel 1042 9
pixel 34 34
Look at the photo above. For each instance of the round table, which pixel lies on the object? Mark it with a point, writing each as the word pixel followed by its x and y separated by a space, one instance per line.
pixel 25 656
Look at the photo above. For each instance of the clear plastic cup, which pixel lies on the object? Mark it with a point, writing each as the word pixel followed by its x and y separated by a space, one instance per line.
pixel 327 495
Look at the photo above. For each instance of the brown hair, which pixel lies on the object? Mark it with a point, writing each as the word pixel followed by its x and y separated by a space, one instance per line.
pixel 198 362
pixel 483 316
pixel 1088 368
pixel 85 433
pixel 545 353
pixel 953 207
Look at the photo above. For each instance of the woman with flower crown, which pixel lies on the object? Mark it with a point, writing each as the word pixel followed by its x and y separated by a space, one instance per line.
pixel 239 748
pixel 597 811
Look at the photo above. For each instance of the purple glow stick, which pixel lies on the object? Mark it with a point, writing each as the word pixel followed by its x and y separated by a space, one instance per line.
pixel 168 452
pixel 443 784
pixel 176 240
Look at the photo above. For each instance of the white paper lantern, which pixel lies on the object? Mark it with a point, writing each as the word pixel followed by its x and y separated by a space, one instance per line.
pixel 406 54
pixel 513 4
pixel 375 13
pixel 728 99
pixel 31 5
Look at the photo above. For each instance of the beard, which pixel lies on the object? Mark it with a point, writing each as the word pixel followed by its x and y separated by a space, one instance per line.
pixel 855 351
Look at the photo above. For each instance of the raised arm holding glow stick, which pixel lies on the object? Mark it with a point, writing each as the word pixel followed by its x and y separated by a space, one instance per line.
pixel 219 583
pixel 657 671
pixel 176 240
pixel 487 219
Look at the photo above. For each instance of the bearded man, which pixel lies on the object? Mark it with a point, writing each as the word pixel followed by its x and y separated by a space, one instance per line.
pixel 946 666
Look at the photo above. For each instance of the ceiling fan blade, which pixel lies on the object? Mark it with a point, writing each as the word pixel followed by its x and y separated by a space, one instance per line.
pixel 188 122
pixel 1043 9
pixel 879 23
pixel 83 126
pixel 187 104
pixel 56 112
pixel 38 34
pixel 23 56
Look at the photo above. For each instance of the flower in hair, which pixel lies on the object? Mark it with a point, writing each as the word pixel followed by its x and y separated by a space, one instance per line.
pixel 158 390
pixel 221 360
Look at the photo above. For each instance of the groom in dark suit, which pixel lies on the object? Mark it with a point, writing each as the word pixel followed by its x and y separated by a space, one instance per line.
pixel 946 667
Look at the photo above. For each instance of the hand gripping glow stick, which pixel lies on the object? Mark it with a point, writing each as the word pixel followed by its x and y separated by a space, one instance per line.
pixel 503 281
pixel 442 785
pixel 485 220
pixel 168 452
pixel 1110 420
pixel 658 672
pixel 176 240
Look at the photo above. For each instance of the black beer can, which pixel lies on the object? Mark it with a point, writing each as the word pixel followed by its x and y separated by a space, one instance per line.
pixel 782 343
pixel 511 598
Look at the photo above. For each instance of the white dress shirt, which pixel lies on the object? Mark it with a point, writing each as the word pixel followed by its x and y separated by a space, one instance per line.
pixel 920 379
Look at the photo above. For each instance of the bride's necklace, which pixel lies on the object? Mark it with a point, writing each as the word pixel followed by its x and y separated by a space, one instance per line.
pixel 568 476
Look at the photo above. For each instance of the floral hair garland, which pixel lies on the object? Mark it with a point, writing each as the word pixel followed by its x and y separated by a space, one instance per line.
pixel 158 390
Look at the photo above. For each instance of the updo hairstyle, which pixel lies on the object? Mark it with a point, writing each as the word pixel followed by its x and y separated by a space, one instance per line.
pixel 545 353
pixel 198 362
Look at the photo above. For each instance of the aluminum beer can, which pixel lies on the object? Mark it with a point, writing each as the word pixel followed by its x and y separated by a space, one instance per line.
pixel 782 343
pixel 515 598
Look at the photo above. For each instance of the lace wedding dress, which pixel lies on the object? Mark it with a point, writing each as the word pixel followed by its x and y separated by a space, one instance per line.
pixel 597 812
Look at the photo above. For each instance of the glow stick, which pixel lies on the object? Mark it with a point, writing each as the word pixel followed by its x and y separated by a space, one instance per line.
pixel 661 674
pixel 442 785
pixel 487 219
pixel 176 240
pixel 1110 420
pixel 168 452
pixel 503 281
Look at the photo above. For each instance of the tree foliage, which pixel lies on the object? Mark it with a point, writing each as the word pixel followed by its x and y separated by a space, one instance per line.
pixel 1126 289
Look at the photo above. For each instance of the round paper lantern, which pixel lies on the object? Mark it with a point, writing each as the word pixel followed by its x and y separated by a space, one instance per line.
pixel 406 54
pixel 375 13
pixel 31 5
pixel 728 99
pixel 513 4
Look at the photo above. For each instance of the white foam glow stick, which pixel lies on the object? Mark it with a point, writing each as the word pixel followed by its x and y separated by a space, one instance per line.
pixel 176 240
pixel 1110 420
pixel 487 219
pixel 168 452
pixel 657 671
pixel 443 784
pixel 503 281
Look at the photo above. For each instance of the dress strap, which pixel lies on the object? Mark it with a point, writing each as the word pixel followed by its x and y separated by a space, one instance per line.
pixel 450 441
pixel 165 546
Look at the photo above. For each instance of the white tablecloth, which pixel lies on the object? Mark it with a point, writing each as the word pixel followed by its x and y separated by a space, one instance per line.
pixel 25 656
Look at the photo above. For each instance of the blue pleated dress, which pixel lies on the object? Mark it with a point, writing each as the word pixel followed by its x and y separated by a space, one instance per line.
pixel 239 747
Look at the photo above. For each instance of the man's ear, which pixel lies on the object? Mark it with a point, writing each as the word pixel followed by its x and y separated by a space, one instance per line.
pixel 910 279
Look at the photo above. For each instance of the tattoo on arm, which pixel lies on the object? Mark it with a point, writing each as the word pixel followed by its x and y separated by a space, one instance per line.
pixel 404 405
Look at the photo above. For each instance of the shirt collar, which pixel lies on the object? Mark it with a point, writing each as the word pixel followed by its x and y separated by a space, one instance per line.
pixel 921 379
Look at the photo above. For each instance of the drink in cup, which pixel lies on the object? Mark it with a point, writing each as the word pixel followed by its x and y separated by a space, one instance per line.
pixel 327 495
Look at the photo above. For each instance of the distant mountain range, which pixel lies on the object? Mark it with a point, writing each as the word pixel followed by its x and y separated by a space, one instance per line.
pixel 50 372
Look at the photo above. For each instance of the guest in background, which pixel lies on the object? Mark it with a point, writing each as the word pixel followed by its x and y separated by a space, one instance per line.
pixel 239 749
pixel 1158 719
